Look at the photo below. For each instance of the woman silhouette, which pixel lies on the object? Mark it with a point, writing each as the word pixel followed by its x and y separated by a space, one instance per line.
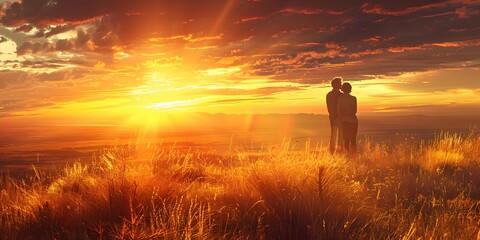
pixel 347 110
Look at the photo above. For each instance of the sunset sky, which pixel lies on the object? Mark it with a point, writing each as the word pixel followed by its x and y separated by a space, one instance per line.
pixel 106 59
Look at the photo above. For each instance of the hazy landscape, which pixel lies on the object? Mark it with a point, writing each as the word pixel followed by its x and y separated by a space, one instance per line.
pixel 272 178
pixel 402 188
pixel 25 144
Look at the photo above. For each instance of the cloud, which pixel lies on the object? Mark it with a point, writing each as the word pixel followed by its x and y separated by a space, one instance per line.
pixel 465 12
pixel 9 106
pixel 242 100
pixel 34 47
pixel 263 91
pixel 411 107
pixel 41 13
pixel 358 63
pixel 51 31
pixel 249 19
pixel 94 40
pixel 307 11
pixel 399 8
pixel 123 23
pixel 24 28
pixel 13 77
pixel 127 16
pixel 43 64
pixel 441 81
pixel 450 109
pixel 304 42
pixel 378 9
pixel 62 75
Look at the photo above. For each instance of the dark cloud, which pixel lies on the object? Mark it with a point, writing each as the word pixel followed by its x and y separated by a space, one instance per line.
pixel 398 8
pixel 62 75
pixel 63 45
pixel 9 78
pixel 466 12
pixel 24 28
pixel 46 64
pixel 98 39
pixel 46 12
pixel 3 39
pixel 299 41
pixel 315 67
pixel 34 47
pixel 13 77
pixel 51 31
pixel 19 105
pixel 136 20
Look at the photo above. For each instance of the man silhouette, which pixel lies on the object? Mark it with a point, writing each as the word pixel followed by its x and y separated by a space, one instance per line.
pixel 335 123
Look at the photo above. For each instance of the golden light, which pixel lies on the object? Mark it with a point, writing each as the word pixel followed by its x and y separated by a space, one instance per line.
pixel 220 71
pixel 175 105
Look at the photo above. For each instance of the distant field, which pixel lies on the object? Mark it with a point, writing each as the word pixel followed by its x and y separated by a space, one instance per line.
pixel 396 190
pixel 47 145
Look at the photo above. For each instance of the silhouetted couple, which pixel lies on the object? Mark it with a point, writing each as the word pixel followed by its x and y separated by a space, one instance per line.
pixel 342 110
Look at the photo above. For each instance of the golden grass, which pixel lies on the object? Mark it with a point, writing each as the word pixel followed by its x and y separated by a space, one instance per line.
pixel 406 190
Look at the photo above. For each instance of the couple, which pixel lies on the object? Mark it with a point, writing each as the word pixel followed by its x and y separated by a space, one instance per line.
pixel 342 109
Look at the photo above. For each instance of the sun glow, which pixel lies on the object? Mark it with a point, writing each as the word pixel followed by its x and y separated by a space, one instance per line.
pixel 177 105
pixel 220 71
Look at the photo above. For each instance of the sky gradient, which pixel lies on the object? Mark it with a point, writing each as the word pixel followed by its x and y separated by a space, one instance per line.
pixel 78 60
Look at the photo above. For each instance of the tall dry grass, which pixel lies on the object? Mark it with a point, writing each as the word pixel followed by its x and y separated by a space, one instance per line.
pixel 406 190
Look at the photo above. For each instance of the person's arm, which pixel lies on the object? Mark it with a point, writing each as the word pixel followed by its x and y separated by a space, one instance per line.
pixel 339 108
pixel 355 106
pixel 331 110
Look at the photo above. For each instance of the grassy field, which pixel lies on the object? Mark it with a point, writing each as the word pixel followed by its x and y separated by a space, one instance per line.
pixel 407 189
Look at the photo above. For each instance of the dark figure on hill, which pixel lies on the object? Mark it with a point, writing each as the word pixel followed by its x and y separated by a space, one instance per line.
pixel 335 123
pixel 347 110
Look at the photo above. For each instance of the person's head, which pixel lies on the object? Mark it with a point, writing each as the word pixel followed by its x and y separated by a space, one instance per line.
pixel 336 83
pixel 346 88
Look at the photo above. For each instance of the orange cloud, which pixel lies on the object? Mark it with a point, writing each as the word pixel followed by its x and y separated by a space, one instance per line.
pixel 383 9
pixel 404 49
pixel 249 19
pixel 465 12
pixel 366 52
pixel 307 11
pixel 468 43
